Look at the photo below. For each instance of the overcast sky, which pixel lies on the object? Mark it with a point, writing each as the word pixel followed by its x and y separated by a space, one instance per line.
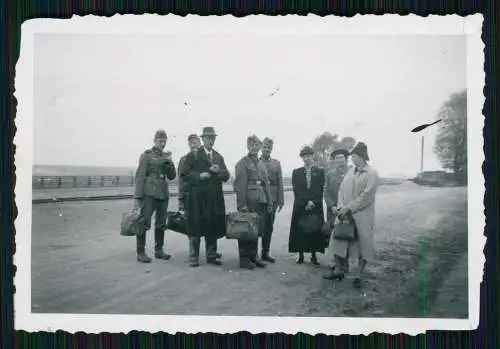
pixel 99 98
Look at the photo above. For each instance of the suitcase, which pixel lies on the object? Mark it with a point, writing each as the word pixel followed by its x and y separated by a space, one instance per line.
pixel 130 224
pixel 242 225
pixel 176 221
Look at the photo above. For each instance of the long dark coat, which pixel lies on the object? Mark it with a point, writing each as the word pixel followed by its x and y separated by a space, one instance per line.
pixel 298 240
pixel 204 198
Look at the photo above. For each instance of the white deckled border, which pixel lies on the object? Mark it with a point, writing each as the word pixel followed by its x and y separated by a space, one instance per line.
pixel 154 24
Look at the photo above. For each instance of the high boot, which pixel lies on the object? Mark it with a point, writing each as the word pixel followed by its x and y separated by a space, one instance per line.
pixel 142 257
pixel 159 240
pixel 257 263
pixel 265 256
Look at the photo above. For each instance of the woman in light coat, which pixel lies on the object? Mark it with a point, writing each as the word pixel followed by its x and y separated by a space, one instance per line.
pixel 357 199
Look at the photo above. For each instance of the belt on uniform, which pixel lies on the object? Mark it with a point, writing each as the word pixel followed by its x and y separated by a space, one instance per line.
pixel 158 176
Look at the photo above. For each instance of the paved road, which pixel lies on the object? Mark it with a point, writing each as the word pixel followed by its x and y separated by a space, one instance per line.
pixel 80 264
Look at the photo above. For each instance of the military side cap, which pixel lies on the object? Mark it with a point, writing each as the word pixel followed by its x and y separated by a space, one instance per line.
pixel 268 141
pixel 193 137
pixel 160 134
pixel 253 139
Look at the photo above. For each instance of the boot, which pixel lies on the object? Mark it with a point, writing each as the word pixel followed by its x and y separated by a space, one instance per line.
pixel 267 257
pixel 142 257
pixel 257 263
pixel 246 264
pixel 159 238
pixel 214 262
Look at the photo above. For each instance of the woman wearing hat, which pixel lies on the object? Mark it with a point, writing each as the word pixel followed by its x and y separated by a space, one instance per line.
pixel 356 199
pixel 332 181
pixel 307 217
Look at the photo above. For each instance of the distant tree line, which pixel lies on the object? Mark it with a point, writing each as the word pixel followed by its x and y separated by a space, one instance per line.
pixel 324 144
pixel 451 140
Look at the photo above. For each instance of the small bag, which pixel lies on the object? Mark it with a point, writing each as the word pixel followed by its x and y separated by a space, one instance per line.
pixel 345 229
pixel 131 224
pixel 242 225
pixel 310 223
pixel 176 221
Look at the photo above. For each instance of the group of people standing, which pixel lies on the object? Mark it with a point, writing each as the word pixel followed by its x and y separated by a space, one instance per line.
pixel 259 188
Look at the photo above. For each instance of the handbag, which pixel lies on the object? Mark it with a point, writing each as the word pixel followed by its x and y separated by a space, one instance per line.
pixel 242 225
pixel 310 223
pixel 176 221
pixel 131 224
pixel 345 229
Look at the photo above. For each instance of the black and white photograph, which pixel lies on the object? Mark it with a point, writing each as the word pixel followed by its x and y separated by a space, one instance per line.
pixel 264 174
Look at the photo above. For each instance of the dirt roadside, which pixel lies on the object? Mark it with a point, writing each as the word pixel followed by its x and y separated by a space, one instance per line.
pixel 80 264
pixel 425 277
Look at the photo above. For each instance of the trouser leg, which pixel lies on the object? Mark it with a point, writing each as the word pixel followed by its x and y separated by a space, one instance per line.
pixel 244 250
pixel 160 207
pixel 194 250
pixel 268 231
pixel 345 263
pixel 140 243
pixel 211 248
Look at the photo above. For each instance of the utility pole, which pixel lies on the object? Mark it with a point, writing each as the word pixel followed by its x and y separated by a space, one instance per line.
pixel 422 156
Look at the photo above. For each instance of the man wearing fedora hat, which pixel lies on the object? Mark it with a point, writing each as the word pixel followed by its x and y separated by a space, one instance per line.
pixel 356 198
pixel 151 194
pixel 203 172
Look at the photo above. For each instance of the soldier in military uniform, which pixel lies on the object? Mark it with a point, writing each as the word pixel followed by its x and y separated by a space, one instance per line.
pixel 194 144
pixel 152 194
pixel 253 194
pixel 275 174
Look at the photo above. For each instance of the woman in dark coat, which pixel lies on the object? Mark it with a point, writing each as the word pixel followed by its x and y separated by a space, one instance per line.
pixel 308 182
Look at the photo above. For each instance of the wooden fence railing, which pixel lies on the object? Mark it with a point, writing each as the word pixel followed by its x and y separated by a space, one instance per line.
pixel 53 182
